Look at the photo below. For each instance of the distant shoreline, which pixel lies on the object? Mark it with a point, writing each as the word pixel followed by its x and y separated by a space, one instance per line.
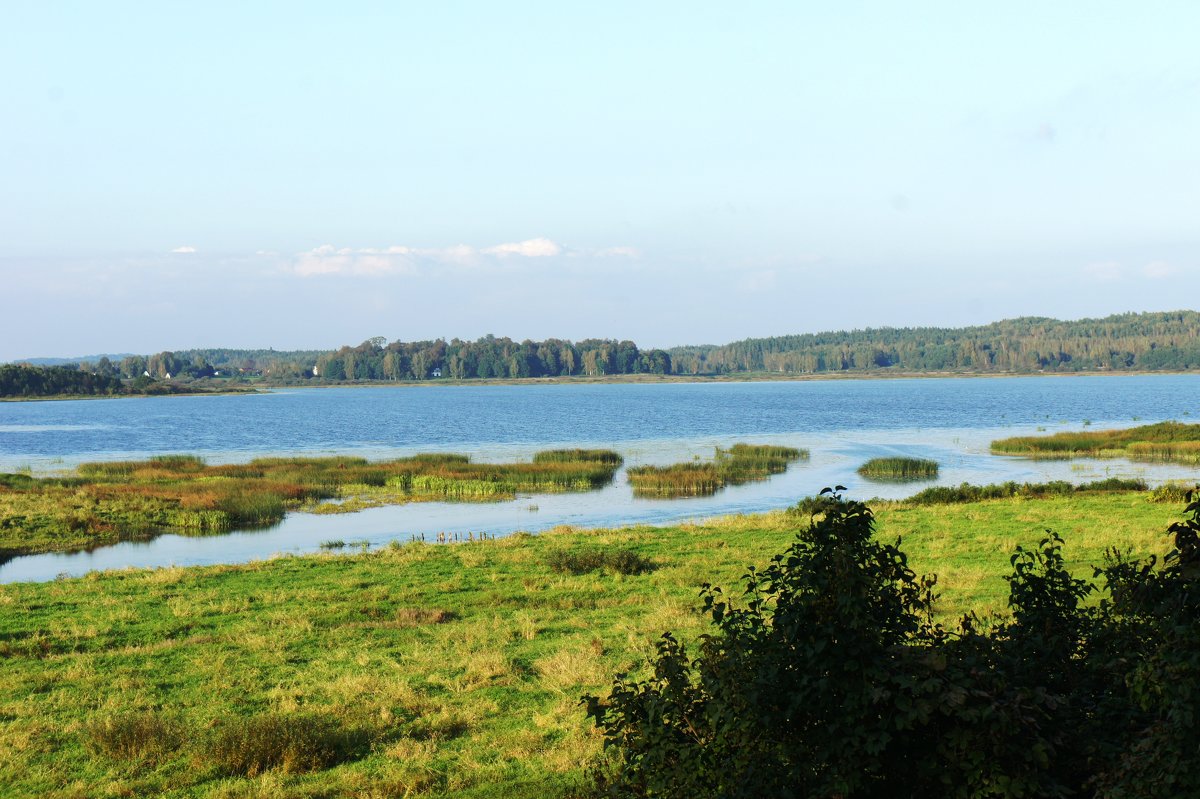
pixel 738 377
pixel 198 393
pixel 259 387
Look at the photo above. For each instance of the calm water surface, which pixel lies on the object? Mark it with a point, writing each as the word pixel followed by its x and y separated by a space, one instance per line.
pixel 842 423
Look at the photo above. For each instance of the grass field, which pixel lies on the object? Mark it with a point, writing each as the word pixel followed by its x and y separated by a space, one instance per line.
pixel 420 669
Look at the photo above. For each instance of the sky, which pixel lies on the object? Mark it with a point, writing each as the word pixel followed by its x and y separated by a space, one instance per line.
pixel 306 175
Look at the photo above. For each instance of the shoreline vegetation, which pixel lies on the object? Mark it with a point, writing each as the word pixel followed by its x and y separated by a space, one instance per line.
pixel 217 387
pixel 1126 343
pixel 105 502
pixel 1165 442
pixel 426 669
pixel 741 463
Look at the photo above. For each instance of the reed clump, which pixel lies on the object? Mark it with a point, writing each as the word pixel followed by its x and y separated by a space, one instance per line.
pixel 898 470
pixel 577 455
pixel 739 464
pixel 1170 442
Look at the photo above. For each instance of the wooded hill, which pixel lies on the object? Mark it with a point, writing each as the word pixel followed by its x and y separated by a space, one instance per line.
pixel 1161 341
pixel 1147 341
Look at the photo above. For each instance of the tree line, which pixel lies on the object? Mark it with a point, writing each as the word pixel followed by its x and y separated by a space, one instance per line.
pixel 20 380
pixel 1168 341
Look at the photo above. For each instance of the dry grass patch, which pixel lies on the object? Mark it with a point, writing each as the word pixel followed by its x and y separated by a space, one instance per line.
pixel 290 742
pixel 140 736
pixel 418 617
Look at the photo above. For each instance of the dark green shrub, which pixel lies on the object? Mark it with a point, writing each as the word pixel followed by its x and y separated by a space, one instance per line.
pixel 621 561
pixel 291 742
pixel 830 679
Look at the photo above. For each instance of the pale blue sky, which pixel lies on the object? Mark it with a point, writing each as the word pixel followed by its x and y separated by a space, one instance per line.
pixel 668 172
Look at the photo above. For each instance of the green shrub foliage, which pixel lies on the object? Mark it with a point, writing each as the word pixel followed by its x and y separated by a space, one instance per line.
pixel 829 678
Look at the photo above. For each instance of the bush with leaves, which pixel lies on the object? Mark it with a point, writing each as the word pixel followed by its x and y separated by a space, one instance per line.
pixel 831 679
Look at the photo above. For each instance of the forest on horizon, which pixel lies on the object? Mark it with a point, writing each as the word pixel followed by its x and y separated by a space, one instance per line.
pixel 1166 341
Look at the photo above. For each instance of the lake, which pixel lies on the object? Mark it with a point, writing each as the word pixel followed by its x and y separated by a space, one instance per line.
pixel 841 422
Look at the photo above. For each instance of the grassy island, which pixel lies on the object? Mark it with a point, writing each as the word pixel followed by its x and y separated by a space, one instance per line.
pixel 739 464
pixel 898 470
pixel 1172 442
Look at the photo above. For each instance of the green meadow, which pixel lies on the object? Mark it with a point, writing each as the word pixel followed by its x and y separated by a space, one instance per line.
pixel 424 669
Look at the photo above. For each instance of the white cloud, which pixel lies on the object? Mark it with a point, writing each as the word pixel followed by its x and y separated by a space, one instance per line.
pixel 1159 270
pixel 1106 271
pixel 329 260
pixel 403 260
pixel 530 248
pixel 184 250
pixel 618 252
pixel 764 280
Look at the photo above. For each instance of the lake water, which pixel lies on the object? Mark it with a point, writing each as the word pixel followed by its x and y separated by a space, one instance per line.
pixel 841 422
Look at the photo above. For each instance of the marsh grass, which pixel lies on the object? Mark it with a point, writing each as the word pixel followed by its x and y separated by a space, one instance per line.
pixel 1173 442
pixel 108 501
pixel 898 470
pixel 739 464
